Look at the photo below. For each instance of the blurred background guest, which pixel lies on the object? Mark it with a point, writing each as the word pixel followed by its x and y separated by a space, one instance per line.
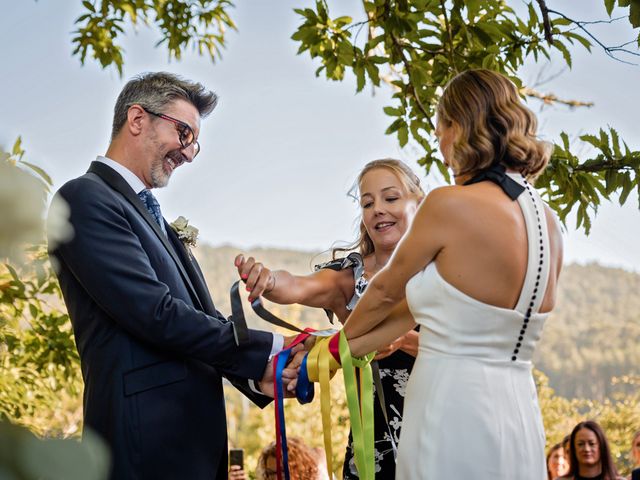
pixel 304 462
pixel 635 456
pixel 635 449
pixel 557 464
pixel 566 446
pixel 590 455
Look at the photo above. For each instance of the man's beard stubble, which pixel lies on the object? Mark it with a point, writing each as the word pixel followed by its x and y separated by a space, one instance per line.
pixel 159 178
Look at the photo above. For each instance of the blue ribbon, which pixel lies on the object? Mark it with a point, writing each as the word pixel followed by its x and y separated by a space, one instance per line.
pixel 304 388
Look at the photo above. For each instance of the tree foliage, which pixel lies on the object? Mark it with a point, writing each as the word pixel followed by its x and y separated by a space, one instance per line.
pixel 415 47
pixel 40 378
pixel 40 382
pixel 200 24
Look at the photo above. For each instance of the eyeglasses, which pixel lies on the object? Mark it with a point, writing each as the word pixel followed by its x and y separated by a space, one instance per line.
pixel 185 133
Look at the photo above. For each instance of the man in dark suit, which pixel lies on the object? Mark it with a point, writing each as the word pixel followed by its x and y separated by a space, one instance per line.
pixel 152 345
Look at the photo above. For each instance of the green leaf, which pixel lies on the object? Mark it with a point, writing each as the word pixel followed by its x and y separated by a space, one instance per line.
pixel 395 125
pixel 403 135
pixel 358 70
pixel 17 147
pixel 634 13
pixel 13 273
pixel 585 42
pixel 615 142
pixel 592 139
pixel 609 4
pixel 611 180
pixel 393 111
pixel 564 50
pixel 89 6
pixel 342 21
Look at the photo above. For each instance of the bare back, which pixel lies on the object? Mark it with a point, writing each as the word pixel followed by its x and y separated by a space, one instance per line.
pixel 485 247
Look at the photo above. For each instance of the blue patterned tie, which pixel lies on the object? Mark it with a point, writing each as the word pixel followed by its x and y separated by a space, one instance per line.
pixel 154 208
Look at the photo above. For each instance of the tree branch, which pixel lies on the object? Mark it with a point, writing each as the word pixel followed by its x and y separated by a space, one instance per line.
pixel 616 165
pixel 448 27
pixel 408 68
pixel 545 21
pixel 608 50
pixel 550 98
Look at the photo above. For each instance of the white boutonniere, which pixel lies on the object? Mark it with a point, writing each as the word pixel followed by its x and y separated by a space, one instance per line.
pixel 187 234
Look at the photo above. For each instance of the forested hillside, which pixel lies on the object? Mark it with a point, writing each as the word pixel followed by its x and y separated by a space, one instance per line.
pixel 592 338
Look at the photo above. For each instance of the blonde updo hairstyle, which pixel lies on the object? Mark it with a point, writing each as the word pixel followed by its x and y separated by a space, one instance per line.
pixel 410 181
pixel 495 126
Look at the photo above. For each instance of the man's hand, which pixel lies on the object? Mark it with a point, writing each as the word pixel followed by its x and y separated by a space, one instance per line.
pixel 289 374
pixel 295 363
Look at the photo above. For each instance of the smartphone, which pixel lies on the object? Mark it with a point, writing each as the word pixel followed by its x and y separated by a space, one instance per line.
pixel 236 457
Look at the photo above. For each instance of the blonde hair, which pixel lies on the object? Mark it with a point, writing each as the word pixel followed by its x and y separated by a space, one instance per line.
pixel 495 127
pixel 303 461
pixel 411 182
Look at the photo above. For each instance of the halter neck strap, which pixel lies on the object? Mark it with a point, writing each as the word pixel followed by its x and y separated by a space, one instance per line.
pixel 497 174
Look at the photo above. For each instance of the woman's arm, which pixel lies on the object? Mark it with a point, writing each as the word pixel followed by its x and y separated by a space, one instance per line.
pixel 407 343
pixel 325 288
pixel 398 323
pixel 420 245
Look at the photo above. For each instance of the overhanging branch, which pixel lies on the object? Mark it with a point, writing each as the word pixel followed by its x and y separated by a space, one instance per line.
pixel 550 98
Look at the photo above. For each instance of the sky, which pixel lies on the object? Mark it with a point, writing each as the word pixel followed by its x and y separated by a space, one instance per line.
pixel 283 148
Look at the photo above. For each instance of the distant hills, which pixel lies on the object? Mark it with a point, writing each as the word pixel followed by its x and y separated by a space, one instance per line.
pixel 592 336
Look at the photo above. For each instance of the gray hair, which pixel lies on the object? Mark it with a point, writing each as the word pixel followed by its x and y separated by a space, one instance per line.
pixel 156 90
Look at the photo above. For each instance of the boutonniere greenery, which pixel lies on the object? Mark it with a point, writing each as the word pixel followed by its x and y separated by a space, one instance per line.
pixel 187 234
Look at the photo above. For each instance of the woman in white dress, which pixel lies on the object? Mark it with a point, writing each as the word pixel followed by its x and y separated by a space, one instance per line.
pixel 479 266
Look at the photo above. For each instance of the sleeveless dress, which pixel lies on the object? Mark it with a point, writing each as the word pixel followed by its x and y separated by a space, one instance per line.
pixel 471 409
pixel 394 375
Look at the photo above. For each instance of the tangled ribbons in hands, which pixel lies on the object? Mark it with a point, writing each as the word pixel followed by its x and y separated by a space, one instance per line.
pixel 279 363
pixel 330 353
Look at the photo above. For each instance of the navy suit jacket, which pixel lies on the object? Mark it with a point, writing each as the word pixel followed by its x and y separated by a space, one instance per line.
pixel 152 346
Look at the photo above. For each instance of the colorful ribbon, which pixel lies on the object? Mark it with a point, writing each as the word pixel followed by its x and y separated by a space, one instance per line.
pixel 322 364
pixel 360 405
pixel 279 364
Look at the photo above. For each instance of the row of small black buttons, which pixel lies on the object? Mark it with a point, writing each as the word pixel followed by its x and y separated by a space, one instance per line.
pixel 527 315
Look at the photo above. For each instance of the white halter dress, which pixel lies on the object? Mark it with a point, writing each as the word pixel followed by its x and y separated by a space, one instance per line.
pixel 471 409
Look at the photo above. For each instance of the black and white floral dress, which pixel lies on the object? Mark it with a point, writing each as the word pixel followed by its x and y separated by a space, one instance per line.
pixel 394 374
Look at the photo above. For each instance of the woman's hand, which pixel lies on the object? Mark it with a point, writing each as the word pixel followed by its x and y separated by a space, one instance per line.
pixel 388 350
pixel 257 278
pixel 407 343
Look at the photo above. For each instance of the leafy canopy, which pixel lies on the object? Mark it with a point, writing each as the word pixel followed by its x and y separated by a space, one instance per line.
pixel 415 47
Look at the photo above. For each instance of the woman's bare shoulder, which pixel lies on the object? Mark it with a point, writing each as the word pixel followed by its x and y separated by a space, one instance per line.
pixel 446 200
pixel 455 203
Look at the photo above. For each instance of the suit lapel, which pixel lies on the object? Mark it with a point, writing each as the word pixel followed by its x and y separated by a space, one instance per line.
pixel 193 271
pixel 115 181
